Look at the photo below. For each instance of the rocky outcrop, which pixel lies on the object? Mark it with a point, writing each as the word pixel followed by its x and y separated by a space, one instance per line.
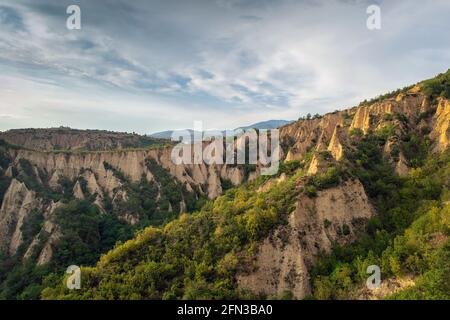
pixel 388 287
pixel 316 134
pixel 441 127
pixel 314 165
pixel 46 253
pixel 305 135
pixel 335 147
pixel 284 258
pixel 17 205
pixel 408 104
pixel 426 105
pixel 77 192
pixel 409 111
pixel 132 163
pixel 361 120
pixel 401 168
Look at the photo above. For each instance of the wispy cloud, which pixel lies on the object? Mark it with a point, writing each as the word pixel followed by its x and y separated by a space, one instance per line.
pixel 151 65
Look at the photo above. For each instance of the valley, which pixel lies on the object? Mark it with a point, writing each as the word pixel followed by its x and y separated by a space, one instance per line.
pixel 356 187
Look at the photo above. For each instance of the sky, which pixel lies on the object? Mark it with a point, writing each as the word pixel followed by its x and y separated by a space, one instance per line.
pixel 147 66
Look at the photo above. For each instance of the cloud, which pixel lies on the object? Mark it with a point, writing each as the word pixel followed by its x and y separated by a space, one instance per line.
pixel 226 62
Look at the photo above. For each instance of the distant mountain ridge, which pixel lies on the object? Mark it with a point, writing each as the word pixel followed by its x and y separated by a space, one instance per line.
pixel 269 124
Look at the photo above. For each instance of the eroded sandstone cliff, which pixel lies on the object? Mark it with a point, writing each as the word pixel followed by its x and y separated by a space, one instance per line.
pixel 17 203
pixel 95 174
pixel 284 258
pixel 407 112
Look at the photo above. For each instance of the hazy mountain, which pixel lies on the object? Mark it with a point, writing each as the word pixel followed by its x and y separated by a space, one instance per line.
pixel 270 124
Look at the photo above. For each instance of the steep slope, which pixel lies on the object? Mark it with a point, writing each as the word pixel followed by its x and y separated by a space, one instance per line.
pixel 413 112
pixel 284 258
pixel 134 164
pixel 118 191
pixel 408 239
pixel 105 177
pixel 17 204
pixel 195 256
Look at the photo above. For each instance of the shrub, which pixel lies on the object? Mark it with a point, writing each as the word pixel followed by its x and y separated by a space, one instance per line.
pixel 290 166
pixel 438 86
pixel 310 191
pixel 328 179
pixel 356 132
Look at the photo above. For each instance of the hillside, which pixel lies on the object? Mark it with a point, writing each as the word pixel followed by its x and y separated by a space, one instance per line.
pixel 251 244
pixel 366 185
pixel 63 138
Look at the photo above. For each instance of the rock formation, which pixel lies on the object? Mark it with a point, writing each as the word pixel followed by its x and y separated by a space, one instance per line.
pixel 284 258
pixel 17 203
pixel 441 127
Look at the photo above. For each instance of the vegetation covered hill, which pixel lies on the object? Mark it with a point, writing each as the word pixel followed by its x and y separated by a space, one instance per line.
pixel 193 257
pixel 408 237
